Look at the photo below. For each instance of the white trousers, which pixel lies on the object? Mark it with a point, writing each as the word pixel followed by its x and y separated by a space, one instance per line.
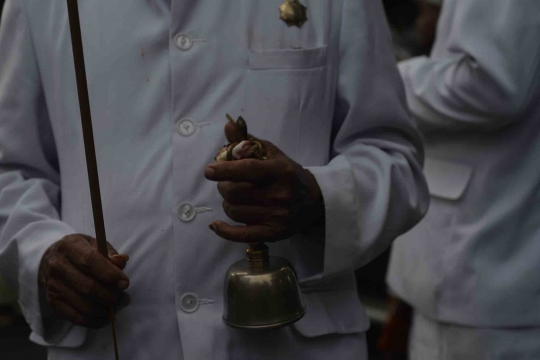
pixel 433 340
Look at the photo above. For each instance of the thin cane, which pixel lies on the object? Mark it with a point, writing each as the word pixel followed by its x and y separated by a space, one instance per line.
pixel 88 135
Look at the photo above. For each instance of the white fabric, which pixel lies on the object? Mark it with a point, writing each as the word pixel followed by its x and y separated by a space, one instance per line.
pixel 329 95
pixel 433 340
pixel 474 259
pixel 259 345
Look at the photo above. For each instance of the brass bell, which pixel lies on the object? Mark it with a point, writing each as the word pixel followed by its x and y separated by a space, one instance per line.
pixel 262 292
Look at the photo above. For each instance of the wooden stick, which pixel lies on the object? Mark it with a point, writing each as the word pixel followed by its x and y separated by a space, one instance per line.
pixel 88 135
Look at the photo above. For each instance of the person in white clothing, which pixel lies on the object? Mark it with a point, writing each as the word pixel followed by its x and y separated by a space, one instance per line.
pixel 470 268
pixel 344 177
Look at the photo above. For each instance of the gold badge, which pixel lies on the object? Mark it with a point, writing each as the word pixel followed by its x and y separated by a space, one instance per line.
pixel 293 13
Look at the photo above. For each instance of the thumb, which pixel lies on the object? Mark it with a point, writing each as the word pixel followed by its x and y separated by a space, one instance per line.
pixel 119 261
pixel 270 149
pixel 110 250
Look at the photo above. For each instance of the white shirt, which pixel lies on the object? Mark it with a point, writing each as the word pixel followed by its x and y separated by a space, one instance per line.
pixel 474 259
pixel 328 95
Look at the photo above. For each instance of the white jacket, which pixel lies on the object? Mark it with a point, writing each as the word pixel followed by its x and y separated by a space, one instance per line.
pixel 474 259
pixel 329 95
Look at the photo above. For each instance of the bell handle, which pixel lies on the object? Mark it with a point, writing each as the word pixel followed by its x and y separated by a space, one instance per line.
pixel 257 255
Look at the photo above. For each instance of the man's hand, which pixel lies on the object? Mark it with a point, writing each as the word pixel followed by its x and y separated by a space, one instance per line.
pixel 275 198
pixel 81 284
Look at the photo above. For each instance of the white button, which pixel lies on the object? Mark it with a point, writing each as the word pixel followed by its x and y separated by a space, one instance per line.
pixel 186 212
pixel 189 303
pixel 183 42
pixel 186 127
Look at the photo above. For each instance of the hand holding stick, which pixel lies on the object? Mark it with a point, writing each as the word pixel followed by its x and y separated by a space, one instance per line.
pixel 86 118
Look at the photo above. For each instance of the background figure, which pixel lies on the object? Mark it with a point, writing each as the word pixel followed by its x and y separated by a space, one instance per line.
pixel 413 24
pixel 425 25
pixel 470 268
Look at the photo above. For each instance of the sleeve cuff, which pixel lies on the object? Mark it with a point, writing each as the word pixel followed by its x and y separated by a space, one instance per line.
pixel 341 213
pixel 417 74
pixel 419 110
pixel 34 240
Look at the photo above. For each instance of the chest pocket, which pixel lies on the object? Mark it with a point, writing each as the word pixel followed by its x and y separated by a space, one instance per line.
pixel 285 88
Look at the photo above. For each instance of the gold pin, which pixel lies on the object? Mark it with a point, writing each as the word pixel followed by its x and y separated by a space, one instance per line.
pixel 293 13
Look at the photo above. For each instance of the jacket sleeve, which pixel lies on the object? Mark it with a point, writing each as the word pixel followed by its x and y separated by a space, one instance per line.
pixel 373 187
pixel 29 178
pixel 482 72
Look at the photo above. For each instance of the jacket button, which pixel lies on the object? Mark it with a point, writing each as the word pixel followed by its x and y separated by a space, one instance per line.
pixel 186 127
pixel 183 42
pixel 189 303
pixel 186 212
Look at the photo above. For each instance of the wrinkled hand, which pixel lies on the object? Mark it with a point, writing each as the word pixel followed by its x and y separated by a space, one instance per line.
pixel 276 198
pixel 80 283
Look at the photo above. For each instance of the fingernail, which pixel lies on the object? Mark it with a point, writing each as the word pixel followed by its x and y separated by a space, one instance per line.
pixel 212 227
pixel 123 256
pixel 209 172
pixel 123 284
